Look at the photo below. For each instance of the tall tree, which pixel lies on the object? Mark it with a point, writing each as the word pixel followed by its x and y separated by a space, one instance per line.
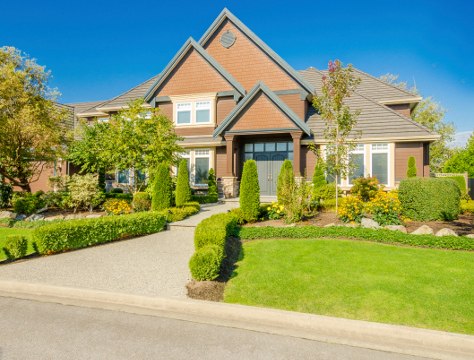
pixel 462 160
pixel 340 120
pixel 136 138
pixel 31 124
pixel 430 114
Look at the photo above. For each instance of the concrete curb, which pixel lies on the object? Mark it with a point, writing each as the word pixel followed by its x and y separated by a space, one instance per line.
pixel 384 337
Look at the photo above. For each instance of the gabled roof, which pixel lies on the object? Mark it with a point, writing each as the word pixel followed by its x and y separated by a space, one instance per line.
pixel 123 99
pixel 261 87
pixel 87 108
pixel 226 14
pixel 188 45
pixel 375 120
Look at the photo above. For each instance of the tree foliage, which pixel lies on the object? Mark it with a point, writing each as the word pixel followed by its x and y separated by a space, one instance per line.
pixel 286 179
pixel 30 120
pixel 250 192
pixel 462 160
pixel 183 191
pixel 340 120
pixel 161 188
pixel 85 191
pixel 411 168
pixel 430 114
pixel 136 138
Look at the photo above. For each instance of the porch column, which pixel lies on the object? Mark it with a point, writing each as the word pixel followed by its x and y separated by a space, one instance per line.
pixel 296 135
pixel 229 155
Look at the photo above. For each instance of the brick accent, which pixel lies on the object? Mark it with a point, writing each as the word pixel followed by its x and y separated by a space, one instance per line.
pixel 193 75
pixel 221 161
pixel 247 63
pixel 261 113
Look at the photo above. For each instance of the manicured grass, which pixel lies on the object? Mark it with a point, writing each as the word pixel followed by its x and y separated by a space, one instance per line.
pixel 418 287
pixel 4 232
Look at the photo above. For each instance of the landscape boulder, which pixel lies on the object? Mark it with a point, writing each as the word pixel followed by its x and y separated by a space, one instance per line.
pixel 401 228
pixel 423 230
pixel 7 215
pixel 369 223
pixel 470 236
pixel 446 232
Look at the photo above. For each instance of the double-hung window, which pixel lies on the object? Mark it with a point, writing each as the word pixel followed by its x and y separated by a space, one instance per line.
pixel 380 163
pixel 198 112
pixel 199 163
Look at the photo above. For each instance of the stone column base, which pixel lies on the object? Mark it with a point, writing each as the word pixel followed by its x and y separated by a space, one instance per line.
pixel 230 186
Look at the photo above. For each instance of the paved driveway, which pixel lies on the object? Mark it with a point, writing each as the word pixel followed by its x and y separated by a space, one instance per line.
pixel 153 265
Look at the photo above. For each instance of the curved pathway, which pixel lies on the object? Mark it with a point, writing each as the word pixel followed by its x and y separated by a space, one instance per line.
pixel 153 265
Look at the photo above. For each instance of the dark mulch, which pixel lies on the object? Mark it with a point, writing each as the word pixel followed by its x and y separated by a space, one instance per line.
pixel 462 226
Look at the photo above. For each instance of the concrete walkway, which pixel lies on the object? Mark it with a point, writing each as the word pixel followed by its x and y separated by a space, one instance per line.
pixel 153 265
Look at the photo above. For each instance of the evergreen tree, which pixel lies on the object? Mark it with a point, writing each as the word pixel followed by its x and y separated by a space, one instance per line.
pixel 319 180
pixel 411 170
pixel 286 180
pixel 250 192
pixel 212 185
pixel 183 191
pixel 162 192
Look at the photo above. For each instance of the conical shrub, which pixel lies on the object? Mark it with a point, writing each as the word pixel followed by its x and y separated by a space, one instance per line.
pixel 162 189
pixel 250 192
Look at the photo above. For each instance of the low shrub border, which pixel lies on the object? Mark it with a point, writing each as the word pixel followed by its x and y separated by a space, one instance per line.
pixel 211 244
pixel 380 236
pixel 180 213
pixel 69 235
pixel 15 247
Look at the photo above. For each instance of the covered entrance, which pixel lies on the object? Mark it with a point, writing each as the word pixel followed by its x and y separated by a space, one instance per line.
pixel 269 157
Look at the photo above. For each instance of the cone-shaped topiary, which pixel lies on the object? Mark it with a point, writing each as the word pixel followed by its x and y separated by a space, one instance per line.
pixel 286 180
pixel 161 191
pixel 411 170
pixel 211 183
pixel 319 180
pixel 183 191
pixel 250 192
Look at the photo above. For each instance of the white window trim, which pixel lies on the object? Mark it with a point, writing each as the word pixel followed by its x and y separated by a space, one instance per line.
pixel 389 162
pixel 191 155
pixel 193 100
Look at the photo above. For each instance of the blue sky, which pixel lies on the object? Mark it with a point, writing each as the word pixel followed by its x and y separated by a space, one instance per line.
pixel 98 49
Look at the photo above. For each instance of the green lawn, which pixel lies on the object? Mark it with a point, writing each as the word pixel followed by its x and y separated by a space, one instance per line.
pixel 426 288
pixel 4 232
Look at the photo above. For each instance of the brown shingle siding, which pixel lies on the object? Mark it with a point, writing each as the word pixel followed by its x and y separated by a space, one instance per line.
pixel 295 103
pixel 224 107
pixel 403 109
pixel 402 152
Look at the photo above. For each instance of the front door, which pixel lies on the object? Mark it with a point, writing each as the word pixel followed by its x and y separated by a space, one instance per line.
pixel 269 158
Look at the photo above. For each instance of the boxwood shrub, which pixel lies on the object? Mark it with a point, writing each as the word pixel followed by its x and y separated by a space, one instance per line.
pixel 179 213
pixel 210 239
pixel 69 235
pixel 427 199
pixel 341 232
pixel 15 247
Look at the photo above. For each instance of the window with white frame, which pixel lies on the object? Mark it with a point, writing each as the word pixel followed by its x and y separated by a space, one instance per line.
pixel 380 162
pixel 357 161
pixel 194 112
pixel 199 163
pixel 103 119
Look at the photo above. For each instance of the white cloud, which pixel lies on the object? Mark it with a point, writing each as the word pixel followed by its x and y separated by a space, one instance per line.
pixel 460 139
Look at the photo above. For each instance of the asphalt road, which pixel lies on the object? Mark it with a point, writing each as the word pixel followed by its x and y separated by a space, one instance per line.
pixel 35 330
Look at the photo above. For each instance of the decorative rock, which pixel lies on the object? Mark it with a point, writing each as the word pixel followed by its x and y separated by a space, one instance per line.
pixel 93 216
pixel 329 225
pixel 73 217
pixel 35 217
pixel 470 236
pixel 42 210
pixel 7 214
pixel 423 230
pixel 369 223
pixel 55 217
pixel 20 217
pixel 401 228
pixel 446 232
pixel 351 225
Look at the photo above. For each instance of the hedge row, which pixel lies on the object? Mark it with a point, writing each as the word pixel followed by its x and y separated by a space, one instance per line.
pixel 69 235
pixel 180 213
pixel 210 239
pixel 381 236
pixel 15 247
pixel 205 199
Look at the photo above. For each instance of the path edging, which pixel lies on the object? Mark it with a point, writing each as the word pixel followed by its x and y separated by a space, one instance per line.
pixel 384 337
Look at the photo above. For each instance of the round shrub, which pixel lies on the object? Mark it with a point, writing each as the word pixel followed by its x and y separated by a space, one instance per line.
pixel 15 247
pixel 365 188
pixel 426 199
pixel 27 203
pixel 183 191
pixel 250 192
pixel 205 263
pixel 141 202
pixel 162 188
pixel 117 207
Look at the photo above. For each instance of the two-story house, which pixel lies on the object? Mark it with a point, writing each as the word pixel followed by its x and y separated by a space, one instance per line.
pixel 232 98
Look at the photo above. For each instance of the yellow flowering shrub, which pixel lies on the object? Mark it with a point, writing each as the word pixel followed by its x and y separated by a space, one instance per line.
pixel 275 211
pixel 385 208
pixel 351 209
pixel 117 207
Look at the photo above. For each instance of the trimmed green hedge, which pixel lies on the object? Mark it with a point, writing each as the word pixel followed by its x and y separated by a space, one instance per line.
pixel 380 236
pixel 15 247
pixel 210 239
pixel 119 196
pixel 69 235
pixel 180 213
pixel 205 199
pixel 427 199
